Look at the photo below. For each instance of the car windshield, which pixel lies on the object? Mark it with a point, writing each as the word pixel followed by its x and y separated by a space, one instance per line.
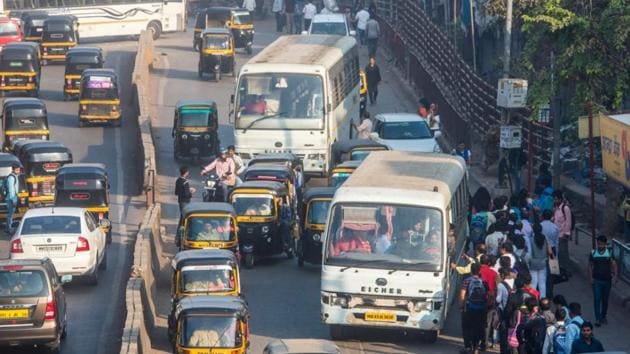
pixel 210 228
pixel 216 42
pixel 318 211
pixel 51 224
pixel 8 29
pixel 253 204
pixel 337 179
pixel 332 28
pixel 275 100
pixel 209 332
pixel 242 19
pixel 381 235
pixel 405 130
pixel 194 117
pixel 207 278
pixel 16 65
pixel 22 283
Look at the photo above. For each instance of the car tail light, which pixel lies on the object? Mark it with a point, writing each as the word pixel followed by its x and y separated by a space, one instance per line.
pixel 83 244
pixel 46 187
pixel 84 108
pixel 69 82
pixel 23 201
pixel 45 50
pixel 35 190
pixel 16 246
pixel 114 108
pixel 30 79
pixel 51 308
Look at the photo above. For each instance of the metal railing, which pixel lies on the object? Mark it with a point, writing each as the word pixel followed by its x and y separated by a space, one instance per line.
pixel 621 252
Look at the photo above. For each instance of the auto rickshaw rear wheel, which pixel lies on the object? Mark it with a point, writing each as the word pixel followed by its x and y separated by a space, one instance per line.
pixel 155 28
pixel 248 259
pixel 217 75
pixel 66 97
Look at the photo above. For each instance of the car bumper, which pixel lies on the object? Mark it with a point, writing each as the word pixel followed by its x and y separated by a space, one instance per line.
pixel 11 336
pixel 80 264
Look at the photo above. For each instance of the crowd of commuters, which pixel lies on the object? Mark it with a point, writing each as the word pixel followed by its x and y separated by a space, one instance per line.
pixel 508 282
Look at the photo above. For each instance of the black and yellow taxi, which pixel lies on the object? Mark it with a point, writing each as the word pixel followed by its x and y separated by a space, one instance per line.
pixel 23 119
pixel 77 60
pixel 33 23
pixel 312 224
pixel 208 225
pixel 20 69
pixel 216 55
pixel 195 129
pixel 60 33
pixel 99 97
pixel 85 185
pixel 342 172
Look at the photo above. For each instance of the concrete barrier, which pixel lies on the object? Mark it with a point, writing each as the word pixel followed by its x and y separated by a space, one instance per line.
pixel 148 262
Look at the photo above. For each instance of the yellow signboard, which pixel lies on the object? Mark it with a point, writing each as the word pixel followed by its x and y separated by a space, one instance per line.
pixel 615 135
pixel 583 127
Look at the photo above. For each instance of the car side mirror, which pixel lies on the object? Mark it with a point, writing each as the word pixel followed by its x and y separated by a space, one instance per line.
pixel 65 279
pixel 373 135
pixel 104 223
pixel 353 33
pixel 304 32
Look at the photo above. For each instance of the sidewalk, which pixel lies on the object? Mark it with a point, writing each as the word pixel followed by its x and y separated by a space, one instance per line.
pixel 397 95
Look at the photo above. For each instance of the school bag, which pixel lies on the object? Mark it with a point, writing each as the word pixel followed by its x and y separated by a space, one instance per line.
pixel 478 226
pixel 560 340
pixel 477 293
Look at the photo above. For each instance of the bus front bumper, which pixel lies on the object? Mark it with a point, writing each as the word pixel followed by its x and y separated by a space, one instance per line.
pixel 364 317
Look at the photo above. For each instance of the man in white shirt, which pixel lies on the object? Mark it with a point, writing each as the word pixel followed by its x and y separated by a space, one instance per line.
pixel 362 18
pixel 495 238
pixel 309 12
pixel 365 128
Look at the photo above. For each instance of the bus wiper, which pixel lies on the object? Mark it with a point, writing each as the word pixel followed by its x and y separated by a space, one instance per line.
pixel 262 118
pixel 363 262
pixel 412 263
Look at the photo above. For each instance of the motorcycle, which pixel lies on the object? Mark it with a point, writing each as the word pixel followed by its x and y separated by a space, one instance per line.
pixel 211 190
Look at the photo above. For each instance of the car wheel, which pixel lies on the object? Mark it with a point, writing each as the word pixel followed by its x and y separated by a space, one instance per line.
pixel 300 261
pixel 92 279
pixel 249 49
pixel 64 333
pixel 103 264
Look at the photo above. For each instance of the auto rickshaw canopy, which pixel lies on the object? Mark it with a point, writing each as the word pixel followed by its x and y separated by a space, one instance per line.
pixel 6 163
pixel 196 114
pixel 20 57
pixel 79 59
pixel 203 257
pixel 279 173
pixel 207 208
pixel 60 28
pixel 275 159
pixel 318 192
pixel 24 114
pixel 341 149
pixel 276 188
pixel 217 38
pixel 82 184
pixel 44 151
pixel 213 305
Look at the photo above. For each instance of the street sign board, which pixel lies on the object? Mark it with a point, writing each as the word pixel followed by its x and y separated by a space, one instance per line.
pixel 615 132
pixel 511 137
pixel 512 93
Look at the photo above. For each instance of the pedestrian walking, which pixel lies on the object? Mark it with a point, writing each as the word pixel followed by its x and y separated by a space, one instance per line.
pixel 625 208
pixel 602 270
pixel 533 331
pixel 423 109
pixel 491 278
pixel 551 231
pixel 574 325
pixel 309 11
pixel 365 128
pixel 250 5
pixel 298 16
pixel 539 256
pixel 362 18
pixel 183 190
pixel 464 152
pixel 277 8
pixel 556 336
pixel 372 33
pixel 289 10
pixel 504 288
pixel 433 118
pixel 562 217
pixel 473 298
pixel 11 189
pixel 373 76
pixel 586 343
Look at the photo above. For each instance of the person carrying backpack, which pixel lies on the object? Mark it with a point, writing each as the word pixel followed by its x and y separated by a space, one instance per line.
pixel 474 303
pixel 10 189
pixel 602 271
pixel 564 220
pixel 478 227
pixel 533 331
pixel 556 336
pixel 573 326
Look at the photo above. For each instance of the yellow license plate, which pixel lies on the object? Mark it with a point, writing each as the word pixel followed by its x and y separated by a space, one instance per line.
pixel 13 314
pixel 380 316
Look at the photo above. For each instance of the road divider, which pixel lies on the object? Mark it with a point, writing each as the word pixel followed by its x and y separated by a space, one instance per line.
pixel 148 263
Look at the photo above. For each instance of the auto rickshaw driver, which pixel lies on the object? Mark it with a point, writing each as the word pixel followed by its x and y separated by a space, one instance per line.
pixel 209 233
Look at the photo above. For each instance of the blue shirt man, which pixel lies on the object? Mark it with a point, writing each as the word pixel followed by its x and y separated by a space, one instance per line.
pixel 11 198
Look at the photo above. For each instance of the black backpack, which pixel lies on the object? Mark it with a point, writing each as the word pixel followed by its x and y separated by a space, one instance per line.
pixel 535 332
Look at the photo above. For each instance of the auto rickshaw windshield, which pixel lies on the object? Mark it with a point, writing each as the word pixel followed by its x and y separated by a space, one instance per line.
pixel 242 18
pixel 8 29
pixel 217 42
pixel 16 65
pixel 253 204
pixel 206 279
pixel 195 117
pixel 210 228
pixel 199 331
pixel 318 211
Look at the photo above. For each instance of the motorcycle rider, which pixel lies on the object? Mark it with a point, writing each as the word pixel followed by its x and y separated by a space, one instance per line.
pixel 225 170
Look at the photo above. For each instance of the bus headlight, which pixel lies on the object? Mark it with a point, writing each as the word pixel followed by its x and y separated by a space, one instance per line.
pixel 341 301
pixel 422 306
pixel 317 237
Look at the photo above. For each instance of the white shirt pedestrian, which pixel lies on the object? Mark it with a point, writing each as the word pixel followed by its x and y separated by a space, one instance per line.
pixel 277 6
pixel 364 129
pixel 493 241
pixel 362 18
pixel 250 5
pixel 309 11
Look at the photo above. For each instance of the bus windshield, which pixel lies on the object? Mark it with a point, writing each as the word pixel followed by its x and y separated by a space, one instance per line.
pixel 280 101
pixel 385 236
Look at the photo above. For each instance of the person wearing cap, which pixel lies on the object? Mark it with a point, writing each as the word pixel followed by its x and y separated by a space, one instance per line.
pixel 225 170
pixel 11 198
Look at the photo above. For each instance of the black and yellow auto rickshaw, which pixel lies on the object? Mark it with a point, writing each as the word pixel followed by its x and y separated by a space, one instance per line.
pixel 208 225
pixel 195 129
pixel 313 221
pixel 210 324
pixel 217 53
pixel 85 185
pixel 363 93
pixel 257 208
pixel 33 22
pixel 23 119
pixel 20 69
pixel 353 149
pixel 77 60
pixel 277 173
pixel 237 20
pixel 99 98
pixel 342 172
pixel 292 160
pixel 41 161
pixel 6 167
pixel 60 33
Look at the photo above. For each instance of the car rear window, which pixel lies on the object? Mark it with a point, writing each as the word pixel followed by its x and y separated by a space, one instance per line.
pixel 23 283
pixel 51 224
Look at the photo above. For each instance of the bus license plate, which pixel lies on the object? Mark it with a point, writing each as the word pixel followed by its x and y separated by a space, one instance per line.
pixel 380 316
pixel 13 314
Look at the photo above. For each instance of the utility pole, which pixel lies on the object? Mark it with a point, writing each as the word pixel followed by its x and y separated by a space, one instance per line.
pixel 591 171
pixel 472 35
pixel 507 40
pixel 557 124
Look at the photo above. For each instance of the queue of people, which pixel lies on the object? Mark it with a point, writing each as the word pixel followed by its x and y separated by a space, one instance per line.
pixel 508 282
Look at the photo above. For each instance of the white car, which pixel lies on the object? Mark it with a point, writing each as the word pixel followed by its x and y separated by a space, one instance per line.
pixel 70 237
pixel 332 24
pixel 404 132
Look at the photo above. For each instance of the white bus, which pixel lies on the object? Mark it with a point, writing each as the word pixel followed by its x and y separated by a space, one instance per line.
pixel 104 18
pixel 298 95
pixel 387 245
